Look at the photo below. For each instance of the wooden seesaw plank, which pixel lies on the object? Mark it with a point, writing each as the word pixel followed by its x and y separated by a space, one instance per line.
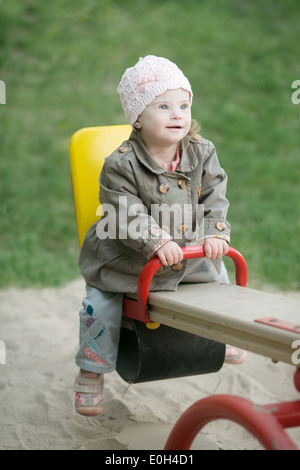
pixel 229 314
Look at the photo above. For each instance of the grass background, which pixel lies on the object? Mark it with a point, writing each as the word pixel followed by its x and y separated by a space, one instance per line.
pixel 62 61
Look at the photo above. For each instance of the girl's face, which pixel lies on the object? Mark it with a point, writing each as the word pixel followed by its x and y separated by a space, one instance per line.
pixel 166 120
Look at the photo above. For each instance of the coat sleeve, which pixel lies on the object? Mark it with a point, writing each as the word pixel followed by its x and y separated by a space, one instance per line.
pixel 124 216
pixel 213 197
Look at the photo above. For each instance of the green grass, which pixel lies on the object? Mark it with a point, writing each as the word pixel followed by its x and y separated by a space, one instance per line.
pixel 62 61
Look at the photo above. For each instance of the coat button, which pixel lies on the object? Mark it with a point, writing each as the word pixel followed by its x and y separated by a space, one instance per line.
pixel 221 225
pixel 153 233
pixel 124 149
pixel 182 228
pixel 181 183
pixel 176 267
pixel 164 188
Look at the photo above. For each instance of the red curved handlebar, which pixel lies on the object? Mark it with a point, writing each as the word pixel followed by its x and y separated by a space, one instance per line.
pixel 146 276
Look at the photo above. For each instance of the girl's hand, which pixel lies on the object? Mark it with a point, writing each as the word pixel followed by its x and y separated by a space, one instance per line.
pixel 215 248
pixel 170 254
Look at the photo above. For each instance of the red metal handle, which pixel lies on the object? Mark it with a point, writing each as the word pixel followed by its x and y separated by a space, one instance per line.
pixel 189 252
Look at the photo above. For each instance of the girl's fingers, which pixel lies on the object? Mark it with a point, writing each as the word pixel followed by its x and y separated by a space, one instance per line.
pixel 215 249
pixel 207 250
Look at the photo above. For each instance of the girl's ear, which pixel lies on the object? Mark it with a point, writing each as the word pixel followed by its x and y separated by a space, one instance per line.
pixel 137 125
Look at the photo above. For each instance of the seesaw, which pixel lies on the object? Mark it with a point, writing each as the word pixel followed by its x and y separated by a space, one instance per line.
pixel 263 323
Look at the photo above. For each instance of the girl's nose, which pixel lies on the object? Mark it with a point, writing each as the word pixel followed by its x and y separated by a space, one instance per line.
pixel 176 114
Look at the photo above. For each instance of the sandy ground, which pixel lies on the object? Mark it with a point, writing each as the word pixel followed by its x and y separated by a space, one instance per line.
pixel 40 332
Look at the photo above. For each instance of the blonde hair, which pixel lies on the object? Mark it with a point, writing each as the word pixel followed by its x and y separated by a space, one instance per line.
pixel 194 131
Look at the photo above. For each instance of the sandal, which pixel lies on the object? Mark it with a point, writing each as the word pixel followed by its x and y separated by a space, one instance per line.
pixel 89 393
pixel 234 355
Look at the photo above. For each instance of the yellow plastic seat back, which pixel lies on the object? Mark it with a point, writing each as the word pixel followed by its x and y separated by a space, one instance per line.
pixel 88 149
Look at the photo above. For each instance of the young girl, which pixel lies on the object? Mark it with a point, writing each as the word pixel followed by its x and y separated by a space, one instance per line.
pixel 164 165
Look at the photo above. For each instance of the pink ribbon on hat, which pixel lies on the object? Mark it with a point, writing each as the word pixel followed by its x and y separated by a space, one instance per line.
pixel 145 81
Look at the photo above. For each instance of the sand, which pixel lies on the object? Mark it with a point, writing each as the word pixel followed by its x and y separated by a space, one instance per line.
pixel 40 330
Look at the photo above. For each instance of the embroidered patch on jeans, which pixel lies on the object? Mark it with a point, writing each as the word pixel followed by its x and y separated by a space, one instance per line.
pixel 94 357
pixel 92 344
pixel 100 333
pixel 89 310
pixel 90 321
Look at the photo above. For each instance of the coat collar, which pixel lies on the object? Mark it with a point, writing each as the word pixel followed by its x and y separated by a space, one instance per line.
pixel 188 160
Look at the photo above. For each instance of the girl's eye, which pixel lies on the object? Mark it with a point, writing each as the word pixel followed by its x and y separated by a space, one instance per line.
pixel 184 106
pixel 163 106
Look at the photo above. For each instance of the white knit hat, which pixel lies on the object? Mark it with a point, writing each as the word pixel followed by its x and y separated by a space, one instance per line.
pixel 149 78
